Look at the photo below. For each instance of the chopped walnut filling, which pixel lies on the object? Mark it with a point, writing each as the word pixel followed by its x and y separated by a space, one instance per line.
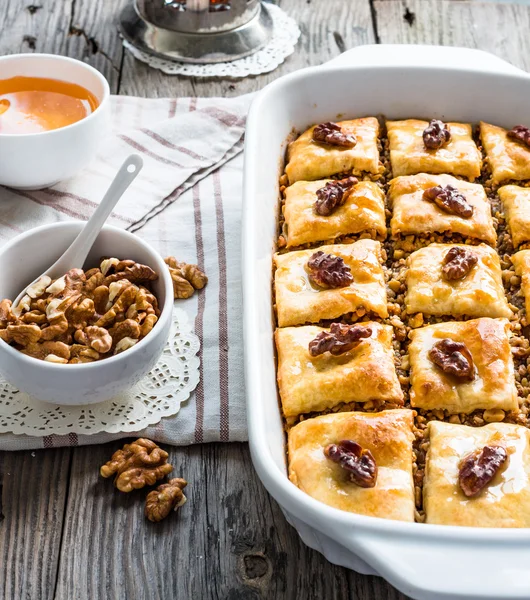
pixel 333 195
pixel 453 358
pixel 450 200
pixel 332 134
pixel 436 135
pixel 521 134
pixel 328 271
pixel 357 461
pixel 458 263
pixel 93 315
pixel 339 339
pixel 477 469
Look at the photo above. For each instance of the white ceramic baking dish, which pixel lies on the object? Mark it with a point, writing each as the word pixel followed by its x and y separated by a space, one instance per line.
pixel 423 561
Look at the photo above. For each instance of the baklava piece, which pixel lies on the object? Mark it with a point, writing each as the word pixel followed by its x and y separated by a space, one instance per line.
pixel 516 202
pixel 521 262
pixel 455 280
pixel 508 157
pixel 425 204
pixel 411 152
pixel 358 462
pixel 343 147
pixel 320 368
pixel 317 211
pixel 461 367
pixel 478 476
pixel 329 282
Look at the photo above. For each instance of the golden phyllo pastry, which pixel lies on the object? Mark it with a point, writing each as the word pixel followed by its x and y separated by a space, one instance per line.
pixel 409 155
pixel 461 367
pixel 457 280
pixel 413 214
pixel 363 209
pixel 386 437
pixel 508 158
pixel 309 159
pixel 310 383
pixel 516 202
pixel 456 495
pixel 521 262
pixel 359 285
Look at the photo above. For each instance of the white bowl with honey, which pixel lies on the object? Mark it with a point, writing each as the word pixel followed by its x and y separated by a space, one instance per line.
pixel 54 114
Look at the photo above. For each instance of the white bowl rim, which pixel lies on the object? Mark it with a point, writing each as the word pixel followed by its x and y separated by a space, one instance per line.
pixel 64 59
pixel 168 303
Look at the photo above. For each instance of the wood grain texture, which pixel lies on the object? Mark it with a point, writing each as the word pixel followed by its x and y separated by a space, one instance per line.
pixel 498 28
pixel 33 488
pixel 327 29
pixel 228 541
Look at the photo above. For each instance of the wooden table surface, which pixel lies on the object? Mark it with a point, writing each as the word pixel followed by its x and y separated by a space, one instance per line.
pixel 65 534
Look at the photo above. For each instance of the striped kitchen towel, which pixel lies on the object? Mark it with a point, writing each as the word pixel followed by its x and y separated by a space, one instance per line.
pixel 186 202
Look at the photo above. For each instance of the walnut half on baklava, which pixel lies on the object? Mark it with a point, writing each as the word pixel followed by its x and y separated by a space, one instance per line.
pixel 310 159
pixel 311 379
pixel 381 445
pixel 478 476
pixel 462 366
pixel 456 280
pixel 415 214
pixel 409 154
pixel 328 282
pixel 509 159
pixel 363 209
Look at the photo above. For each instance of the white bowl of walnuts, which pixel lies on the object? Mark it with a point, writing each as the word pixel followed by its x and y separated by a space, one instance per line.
pixel 91 334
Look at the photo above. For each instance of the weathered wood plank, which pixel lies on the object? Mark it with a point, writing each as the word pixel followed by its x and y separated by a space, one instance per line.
pixel 33 488
pixel 328 28
pixel 450 23
pixel 229 541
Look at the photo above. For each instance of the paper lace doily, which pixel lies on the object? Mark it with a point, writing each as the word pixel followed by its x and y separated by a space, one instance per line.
pixel 159 394
pixel 285 34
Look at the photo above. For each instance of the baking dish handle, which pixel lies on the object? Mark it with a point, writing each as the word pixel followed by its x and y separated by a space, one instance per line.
pixel 415 55
pixel 440 568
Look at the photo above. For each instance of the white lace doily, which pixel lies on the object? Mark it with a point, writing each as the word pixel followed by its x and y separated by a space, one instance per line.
pixel 158 395
pixel 285 34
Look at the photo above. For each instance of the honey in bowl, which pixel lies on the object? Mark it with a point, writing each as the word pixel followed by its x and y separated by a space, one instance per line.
pixel 34 104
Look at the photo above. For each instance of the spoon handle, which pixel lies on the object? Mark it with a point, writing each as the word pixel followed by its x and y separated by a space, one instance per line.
pixel 81 246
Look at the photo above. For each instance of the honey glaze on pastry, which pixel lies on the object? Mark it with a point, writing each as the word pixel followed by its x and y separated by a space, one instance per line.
pixel 385 437
pixel 409 155
pixel 312 381
pixel 493 383
pixel 299 301
pixel 508 158
pixel 502 496
pixel 309 159
pixel 362 209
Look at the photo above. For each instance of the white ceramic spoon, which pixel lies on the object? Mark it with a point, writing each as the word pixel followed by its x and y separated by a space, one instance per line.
pixel 75 255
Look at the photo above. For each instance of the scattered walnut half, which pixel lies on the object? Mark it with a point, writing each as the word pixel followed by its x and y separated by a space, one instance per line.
pixel 339 339
pixel 436 135
pixel 453 358
pixel 332 134
pixel 186 278
pixel 450 200
pixel 521 134
pixel 458 262
pixel 333 195
pixel 328 271
pixel 359 462
pixel 167 496
pixel 477 469
pixel 137 465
